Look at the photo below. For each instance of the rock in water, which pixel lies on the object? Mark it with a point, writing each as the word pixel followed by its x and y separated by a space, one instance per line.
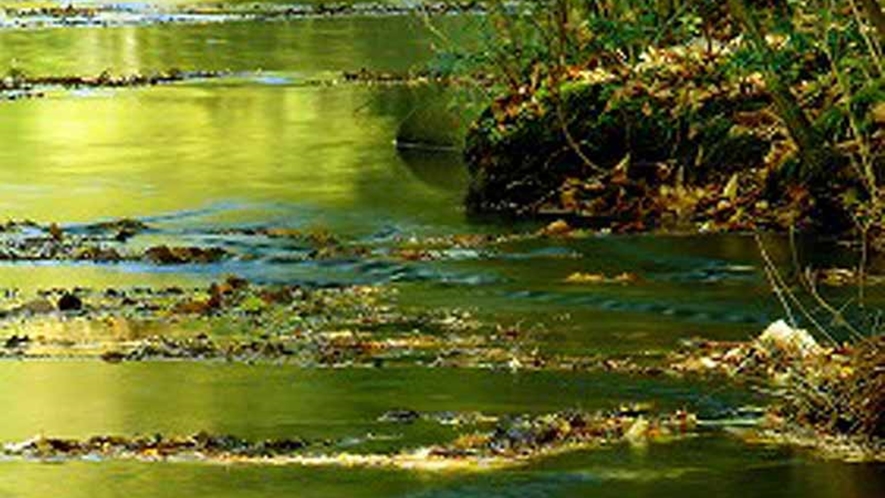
pixel 637 434
pixel 400 416
pixel 781 338
pixel 69 302
pixel 14 342
pixel 56 232
pixel 558 228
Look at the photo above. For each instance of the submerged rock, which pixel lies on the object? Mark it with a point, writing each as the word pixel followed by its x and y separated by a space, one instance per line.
pixel 558 228
pixel 36 307
pixel 600 278
pixel 400 416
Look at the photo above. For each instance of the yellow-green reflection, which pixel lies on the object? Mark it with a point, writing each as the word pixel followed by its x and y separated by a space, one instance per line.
pixel 143 152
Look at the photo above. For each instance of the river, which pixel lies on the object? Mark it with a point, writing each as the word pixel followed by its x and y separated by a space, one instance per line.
pixel 265 147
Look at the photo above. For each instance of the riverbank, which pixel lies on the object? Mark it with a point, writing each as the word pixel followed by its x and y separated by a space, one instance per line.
pixel 660 148
pixel 688 135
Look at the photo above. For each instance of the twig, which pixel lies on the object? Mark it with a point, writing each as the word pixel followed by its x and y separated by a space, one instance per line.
pixel 773 282
pixel 862 264
pixel 873 44
pixel 838 317
pixel 781 289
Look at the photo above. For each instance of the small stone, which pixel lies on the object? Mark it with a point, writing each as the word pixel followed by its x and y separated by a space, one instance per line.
pixel 113 356
pixel 56 232
pixel 638 432
pixel 558 228
pixel 166 255
pixel 69 302
pixel 782 338
pixel 400 416
pixel 125 234
pixel 15 342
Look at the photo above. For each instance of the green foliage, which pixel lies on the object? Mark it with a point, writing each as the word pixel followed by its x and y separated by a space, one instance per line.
pixel 681 84
pixel 526 42
pixel 834 121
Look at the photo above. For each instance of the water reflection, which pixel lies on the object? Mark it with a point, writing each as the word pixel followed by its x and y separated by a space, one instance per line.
pixel 308 46
pixel 441 170
pixel 141 152
pixel 80 399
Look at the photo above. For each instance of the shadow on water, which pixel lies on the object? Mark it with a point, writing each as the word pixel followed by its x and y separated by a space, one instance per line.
pixel 430 123
pixel 443 170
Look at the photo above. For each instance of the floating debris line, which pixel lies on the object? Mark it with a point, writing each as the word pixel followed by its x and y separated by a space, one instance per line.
pixel 513 441
pixel 18 85
pixel 114 15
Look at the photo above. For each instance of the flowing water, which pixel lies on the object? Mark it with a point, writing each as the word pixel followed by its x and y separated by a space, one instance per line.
pixel 264 148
